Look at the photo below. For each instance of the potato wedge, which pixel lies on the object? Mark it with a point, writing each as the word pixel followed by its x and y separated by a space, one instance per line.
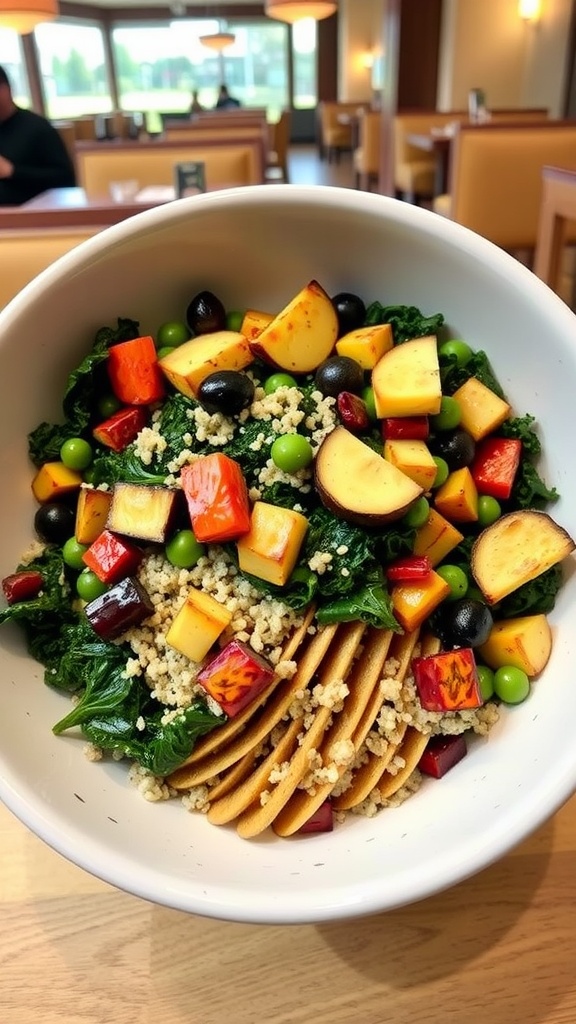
pixel 525 642
pixel 517 548
pixel 302 335
pixel 406 380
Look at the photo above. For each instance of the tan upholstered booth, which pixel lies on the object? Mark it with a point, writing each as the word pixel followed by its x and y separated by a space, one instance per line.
pixel 278 146
pixel 23 254
pixel 367 156
pixel 554 262
pixel 496 178
pixel 336 127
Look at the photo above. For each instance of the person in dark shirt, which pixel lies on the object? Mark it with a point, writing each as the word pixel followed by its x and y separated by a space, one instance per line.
pixel 225 101
pixel 33 157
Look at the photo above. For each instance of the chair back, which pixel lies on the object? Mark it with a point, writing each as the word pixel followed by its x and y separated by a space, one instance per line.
pixel 24 253
pixel 279 143
pixel 556 223
pixel 496 177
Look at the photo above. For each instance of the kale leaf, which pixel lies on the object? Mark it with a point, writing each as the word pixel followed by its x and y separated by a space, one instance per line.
pixel 537 597
pixel 529 490
pixel 520 427
pixel 407 321
pixel 45 618
pixel 371 603
pixel 113 467
pixel 453 376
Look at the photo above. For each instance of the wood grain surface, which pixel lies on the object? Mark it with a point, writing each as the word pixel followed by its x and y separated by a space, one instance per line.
pixel 497 949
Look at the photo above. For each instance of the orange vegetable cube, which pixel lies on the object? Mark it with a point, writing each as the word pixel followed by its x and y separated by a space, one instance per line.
pixel 91 514
pixel 54 479
pixel 481 411
pixel 271 547
pixel 414 602
pixel 414 459
pixel 134 371
pixel 198 625
pixel 217 498
pixel 448 681
pixel 457 498
pixel 436 538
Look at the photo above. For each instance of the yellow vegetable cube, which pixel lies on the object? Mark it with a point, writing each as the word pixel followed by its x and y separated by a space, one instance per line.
pixel 366 344
pixel 188 364
pixel 271 547
pixel 414 602
pixel 91 514
pixel 525 642
pixel 436 538
pixel 414 459
pixel 254 322
pixel 481 410
pixel 54 479
pixel 198 625
pixel 406 380
pixel 457 498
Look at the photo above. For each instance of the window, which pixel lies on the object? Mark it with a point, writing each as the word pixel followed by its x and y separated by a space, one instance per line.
pixel 304 38
pixel 12 60
pixel 73 68
pixel 158 65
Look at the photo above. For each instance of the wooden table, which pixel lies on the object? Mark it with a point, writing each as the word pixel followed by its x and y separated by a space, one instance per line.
pixel 440 144
pixel 71 207
pixel 497 949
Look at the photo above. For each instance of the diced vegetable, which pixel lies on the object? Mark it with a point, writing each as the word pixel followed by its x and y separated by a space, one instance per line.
pixel 481 411
pixel 125 605
pixel 235 677
pixel 271 547
pixel 112 557
pixel 134 373
pixel 352 411
pixel 366 344
pixel 321 821
pixel 217 498
pixel 441 754
pixel 448 681
pixel 189 364
pixel 254 322
pixel 91 513
pixel 120 429
pixel 457 498
pixel 414 602
pixel 406 380
pixel 412 457
pixel 406 570
pixel 405 428
pixel 436 538
pixel 525 642
pixel 22 586
pixel 302 335
pixel 495 466
pixel 198 625
pixel 143 511
pixel 54 479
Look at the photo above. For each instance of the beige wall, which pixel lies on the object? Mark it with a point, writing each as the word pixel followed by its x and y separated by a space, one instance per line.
pixel 485 44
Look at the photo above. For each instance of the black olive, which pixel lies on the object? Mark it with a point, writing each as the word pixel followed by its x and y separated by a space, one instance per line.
pixel 54 522
pixel 205 314
pixel 350 311
pixel 226 391
pixel 456 447
pixel 339 373
pixel 464 623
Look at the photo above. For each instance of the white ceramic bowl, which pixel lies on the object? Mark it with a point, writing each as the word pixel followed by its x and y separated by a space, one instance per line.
pixel 258 246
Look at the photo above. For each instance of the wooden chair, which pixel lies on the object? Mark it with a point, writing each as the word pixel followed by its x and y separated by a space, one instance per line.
pixel 336 127
pixel 496 178
pixel 367 156
pixel 556 224
pixel 278 146
pixel 24 253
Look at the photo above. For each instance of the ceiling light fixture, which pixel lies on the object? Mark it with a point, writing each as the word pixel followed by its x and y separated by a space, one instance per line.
pixel 218 40
pixel 529 10
pixel 295 10
pixel 24 15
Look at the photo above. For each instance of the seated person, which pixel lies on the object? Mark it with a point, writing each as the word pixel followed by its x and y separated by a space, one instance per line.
pixel 33 157
pixel 195 105
pixel 225 101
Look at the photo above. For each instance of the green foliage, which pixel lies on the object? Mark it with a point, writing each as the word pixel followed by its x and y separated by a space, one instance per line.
pixel 453 376
pixel 45 618
pixel 407 321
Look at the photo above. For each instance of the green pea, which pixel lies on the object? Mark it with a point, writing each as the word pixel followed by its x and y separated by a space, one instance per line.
pixel 72 553
pixel 442 471
pixel 457 349
pixel 489 510
pixel 486 681
pixel 417 516
pixel 511 684
pixel 279 380
pixel 108 405
pixel 291 452
pixel 76 453
pixel 164 351
pixel 183 550
pixel 370 403
pixel 171 334
pixel 456 579
pixel 234 320
pixel 88 586
pixel 449 415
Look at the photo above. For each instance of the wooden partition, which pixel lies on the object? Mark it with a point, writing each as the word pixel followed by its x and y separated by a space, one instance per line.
pixel 153 162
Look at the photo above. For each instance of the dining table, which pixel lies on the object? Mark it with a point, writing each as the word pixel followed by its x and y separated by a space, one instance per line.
pixel 498 948
pixel 73 206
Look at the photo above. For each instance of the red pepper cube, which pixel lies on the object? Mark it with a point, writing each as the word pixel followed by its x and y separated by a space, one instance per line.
pixel 217 498
pixel 134 373
pixel 405 428
pixel 321 821
pixel 22 586
pixel 112 558
pixel 235 677
pixel 495 465
pixel 122 428
pixel 441 754
pixel 448 681
pixel 406 570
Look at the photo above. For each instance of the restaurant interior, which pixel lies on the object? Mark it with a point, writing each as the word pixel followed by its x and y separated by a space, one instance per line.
pixel 447 104
pixel 465 107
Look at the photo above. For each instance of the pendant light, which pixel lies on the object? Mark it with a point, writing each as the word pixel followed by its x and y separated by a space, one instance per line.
pixel 24 15
pixel 295 10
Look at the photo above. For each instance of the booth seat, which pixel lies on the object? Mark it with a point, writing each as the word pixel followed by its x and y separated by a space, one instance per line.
pixel 153 163
pixel 24 253
pixel 367 156
pixel 336 127
pixel 496 178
